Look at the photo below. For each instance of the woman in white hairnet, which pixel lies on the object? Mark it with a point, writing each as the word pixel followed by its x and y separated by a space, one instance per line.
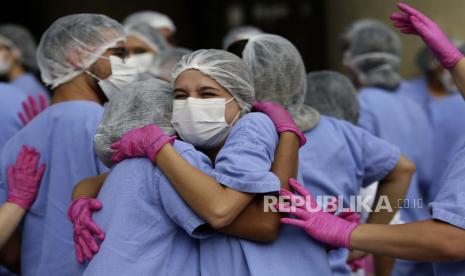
pixel 144 45
pixel 148 227
pixel 18 63
pixel 213 92
pixel 336 149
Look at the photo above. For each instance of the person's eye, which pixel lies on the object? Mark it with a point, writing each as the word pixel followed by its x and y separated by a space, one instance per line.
pixel 180 96
pixel 209 94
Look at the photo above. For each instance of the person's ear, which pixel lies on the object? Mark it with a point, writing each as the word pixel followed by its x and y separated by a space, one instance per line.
pixel 74 59
pixel 16 53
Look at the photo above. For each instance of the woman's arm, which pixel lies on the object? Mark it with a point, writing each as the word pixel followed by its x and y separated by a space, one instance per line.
pixel 10 254
pixel 257 222
pixel 216 204
pixel 10 217
pixel 89 187
pixel 426 241
pixel 412 21
pixel 394 186
pixel 458 74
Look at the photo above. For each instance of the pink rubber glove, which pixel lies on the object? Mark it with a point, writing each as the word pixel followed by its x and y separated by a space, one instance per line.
pixel 140 142
pixel 323 226
pixel 349 216
pixel 23 180
pixel 85 231
pixel 414 22
pixel 356 264
pixel 281 118
pixel 31 108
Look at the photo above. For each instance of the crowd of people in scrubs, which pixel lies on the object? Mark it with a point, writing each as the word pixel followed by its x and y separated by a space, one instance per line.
pixel 122 153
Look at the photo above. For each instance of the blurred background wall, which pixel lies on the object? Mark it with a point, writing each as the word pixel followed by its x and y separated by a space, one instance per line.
pixel 312 25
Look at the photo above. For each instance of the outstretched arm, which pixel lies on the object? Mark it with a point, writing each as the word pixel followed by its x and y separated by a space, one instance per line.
pixel 412 21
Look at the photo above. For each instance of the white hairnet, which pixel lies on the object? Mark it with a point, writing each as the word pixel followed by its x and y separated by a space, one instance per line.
pixel 163 65
pixel 145 102
pixel 225 68
pixel 154 19
pixel 279 76
pixel 83 37
pixel 373 51
pixel 19 38
pixel 240 33
pixel 148 35
pixel 332 94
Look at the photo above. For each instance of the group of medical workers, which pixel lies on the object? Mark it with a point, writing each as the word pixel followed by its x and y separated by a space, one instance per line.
pixel 144 158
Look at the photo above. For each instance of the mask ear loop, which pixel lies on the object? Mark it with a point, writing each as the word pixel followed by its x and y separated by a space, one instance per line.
pixel 93 75
pixel 238 113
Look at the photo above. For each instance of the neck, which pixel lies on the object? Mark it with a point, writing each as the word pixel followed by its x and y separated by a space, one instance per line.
pixel 75 90
pixel 436 88
pixel 15 72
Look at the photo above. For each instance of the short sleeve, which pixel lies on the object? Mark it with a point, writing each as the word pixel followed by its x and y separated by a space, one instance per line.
pixel 378 157
pixel 176 208
pixel 367 120
pixel 449 204
pixel 244 162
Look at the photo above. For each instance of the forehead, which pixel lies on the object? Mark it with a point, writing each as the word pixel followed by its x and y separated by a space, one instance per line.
pixel 133 41
pixel 195 77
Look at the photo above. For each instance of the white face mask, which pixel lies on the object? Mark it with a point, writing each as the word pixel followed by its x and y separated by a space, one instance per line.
pixel 201 122
pixel 122 74
pixel 5 65
pixel 142 61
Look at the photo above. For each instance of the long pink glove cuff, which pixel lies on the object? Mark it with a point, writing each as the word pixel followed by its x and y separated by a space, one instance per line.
pixel 348 233
pixel 153 150
pixel 296 131
pixel 450 58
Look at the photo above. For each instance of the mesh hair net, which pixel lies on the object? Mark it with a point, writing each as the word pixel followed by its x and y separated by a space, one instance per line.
pixel 279 76
pixel 332 94
pixel 373 52
pixel 148 35
pixel 163 65
pixel 240 33
pixel 225 68
pixel 154 19
pixel 82 37
pixel 145 102
pixel 426 61
pixel 19 38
